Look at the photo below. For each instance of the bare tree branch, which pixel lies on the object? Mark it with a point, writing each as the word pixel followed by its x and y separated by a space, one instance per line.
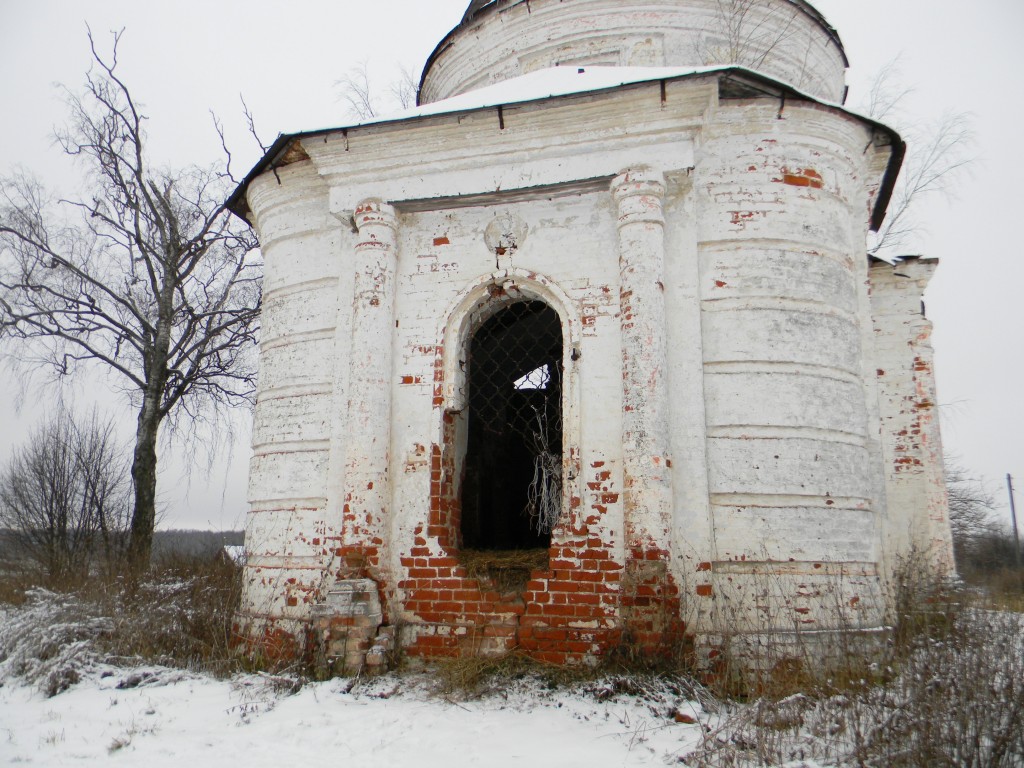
pixel 405 88
pixel 251 123
pixel 887 92
pixel 938 154
pixel 218 126
pixel 937 157
pixel 978 538
pixel 356 91
pixel 748 32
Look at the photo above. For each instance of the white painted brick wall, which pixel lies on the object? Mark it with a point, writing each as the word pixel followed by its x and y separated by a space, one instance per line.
pixel 769 361
pixel 918 517
pixel 517 38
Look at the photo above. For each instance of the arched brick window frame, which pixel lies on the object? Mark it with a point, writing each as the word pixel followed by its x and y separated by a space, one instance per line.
pixel 478 303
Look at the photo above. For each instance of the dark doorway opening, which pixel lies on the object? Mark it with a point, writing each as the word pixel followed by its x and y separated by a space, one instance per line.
pixel 512 482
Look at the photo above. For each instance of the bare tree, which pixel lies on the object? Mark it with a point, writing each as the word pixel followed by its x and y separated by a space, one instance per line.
pixel 745 33
pixel 887 91
pixel 65 496
pixel 405 89
pixel 748 32
pixel 938 154
pixel 971 506
pixel 983 544
pixel 358 92
pixel 147 275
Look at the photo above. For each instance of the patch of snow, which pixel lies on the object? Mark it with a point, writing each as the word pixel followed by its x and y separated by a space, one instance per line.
pixel 235 553
pixel 62 702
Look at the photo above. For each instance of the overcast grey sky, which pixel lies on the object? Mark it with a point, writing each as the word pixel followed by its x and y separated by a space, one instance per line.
pixel 184 58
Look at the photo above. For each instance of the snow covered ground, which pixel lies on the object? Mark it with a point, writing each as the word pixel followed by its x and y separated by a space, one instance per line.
pixel 71 696
pixel 159 717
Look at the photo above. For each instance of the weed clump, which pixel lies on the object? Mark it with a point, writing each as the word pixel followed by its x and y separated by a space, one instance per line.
pixel 946 688
pixel 178 616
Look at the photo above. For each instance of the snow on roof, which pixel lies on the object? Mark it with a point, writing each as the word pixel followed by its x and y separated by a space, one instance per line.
pixel 553 81
pixel 474 6
pixel 559 81
pixel 542 84
pixel 535 86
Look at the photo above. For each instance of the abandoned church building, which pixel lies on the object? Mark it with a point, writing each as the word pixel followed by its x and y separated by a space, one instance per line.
pixel 586 351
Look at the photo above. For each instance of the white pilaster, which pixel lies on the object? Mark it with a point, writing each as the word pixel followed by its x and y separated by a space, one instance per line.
pixel 367 486
pixel 639 194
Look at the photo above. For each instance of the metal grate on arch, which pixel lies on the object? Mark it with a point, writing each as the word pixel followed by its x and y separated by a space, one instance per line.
pixel 512 484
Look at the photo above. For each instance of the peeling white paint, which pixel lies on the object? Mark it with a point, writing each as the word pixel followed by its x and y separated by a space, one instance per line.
pixel 726 445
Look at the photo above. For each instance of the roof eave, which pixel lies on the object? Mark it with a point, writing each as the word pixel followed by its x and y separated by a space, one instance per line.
pixel 238 204
pixel 892 172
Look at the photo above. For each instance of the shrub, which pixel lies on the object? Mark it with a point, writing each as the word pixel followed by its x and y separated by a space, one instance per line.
pixel 949 691
pixel 179 616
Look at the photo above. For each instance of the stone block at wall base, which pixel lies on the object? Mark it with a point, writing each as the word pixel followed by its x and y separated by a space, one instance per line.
pixel 348 629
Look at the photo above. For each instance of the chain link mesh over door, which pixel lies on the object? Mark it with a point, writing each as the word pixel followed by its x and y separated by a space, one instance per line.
pixel 511 492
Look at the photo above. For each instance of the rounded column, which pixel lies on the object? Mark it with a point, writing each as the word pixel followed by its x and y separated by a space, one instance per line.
pixel 781 214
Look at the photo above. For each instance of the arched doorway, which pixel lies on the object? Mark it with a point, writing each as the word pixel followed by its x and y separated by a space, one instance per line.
pixel 512 468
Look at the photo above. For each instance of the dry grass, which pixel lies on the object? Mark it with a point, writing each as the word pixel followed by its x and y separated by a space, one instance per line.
pixel 179 615
pixel 954 698
pixel 472 676
pixel 505 571
pixel 945 689
pixel 13 586
pixel 1003 590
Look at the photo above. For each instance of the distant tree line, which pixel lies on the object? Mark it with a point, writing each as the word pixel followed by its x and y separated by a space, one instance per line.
pixel 983 545
pixel 65 498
